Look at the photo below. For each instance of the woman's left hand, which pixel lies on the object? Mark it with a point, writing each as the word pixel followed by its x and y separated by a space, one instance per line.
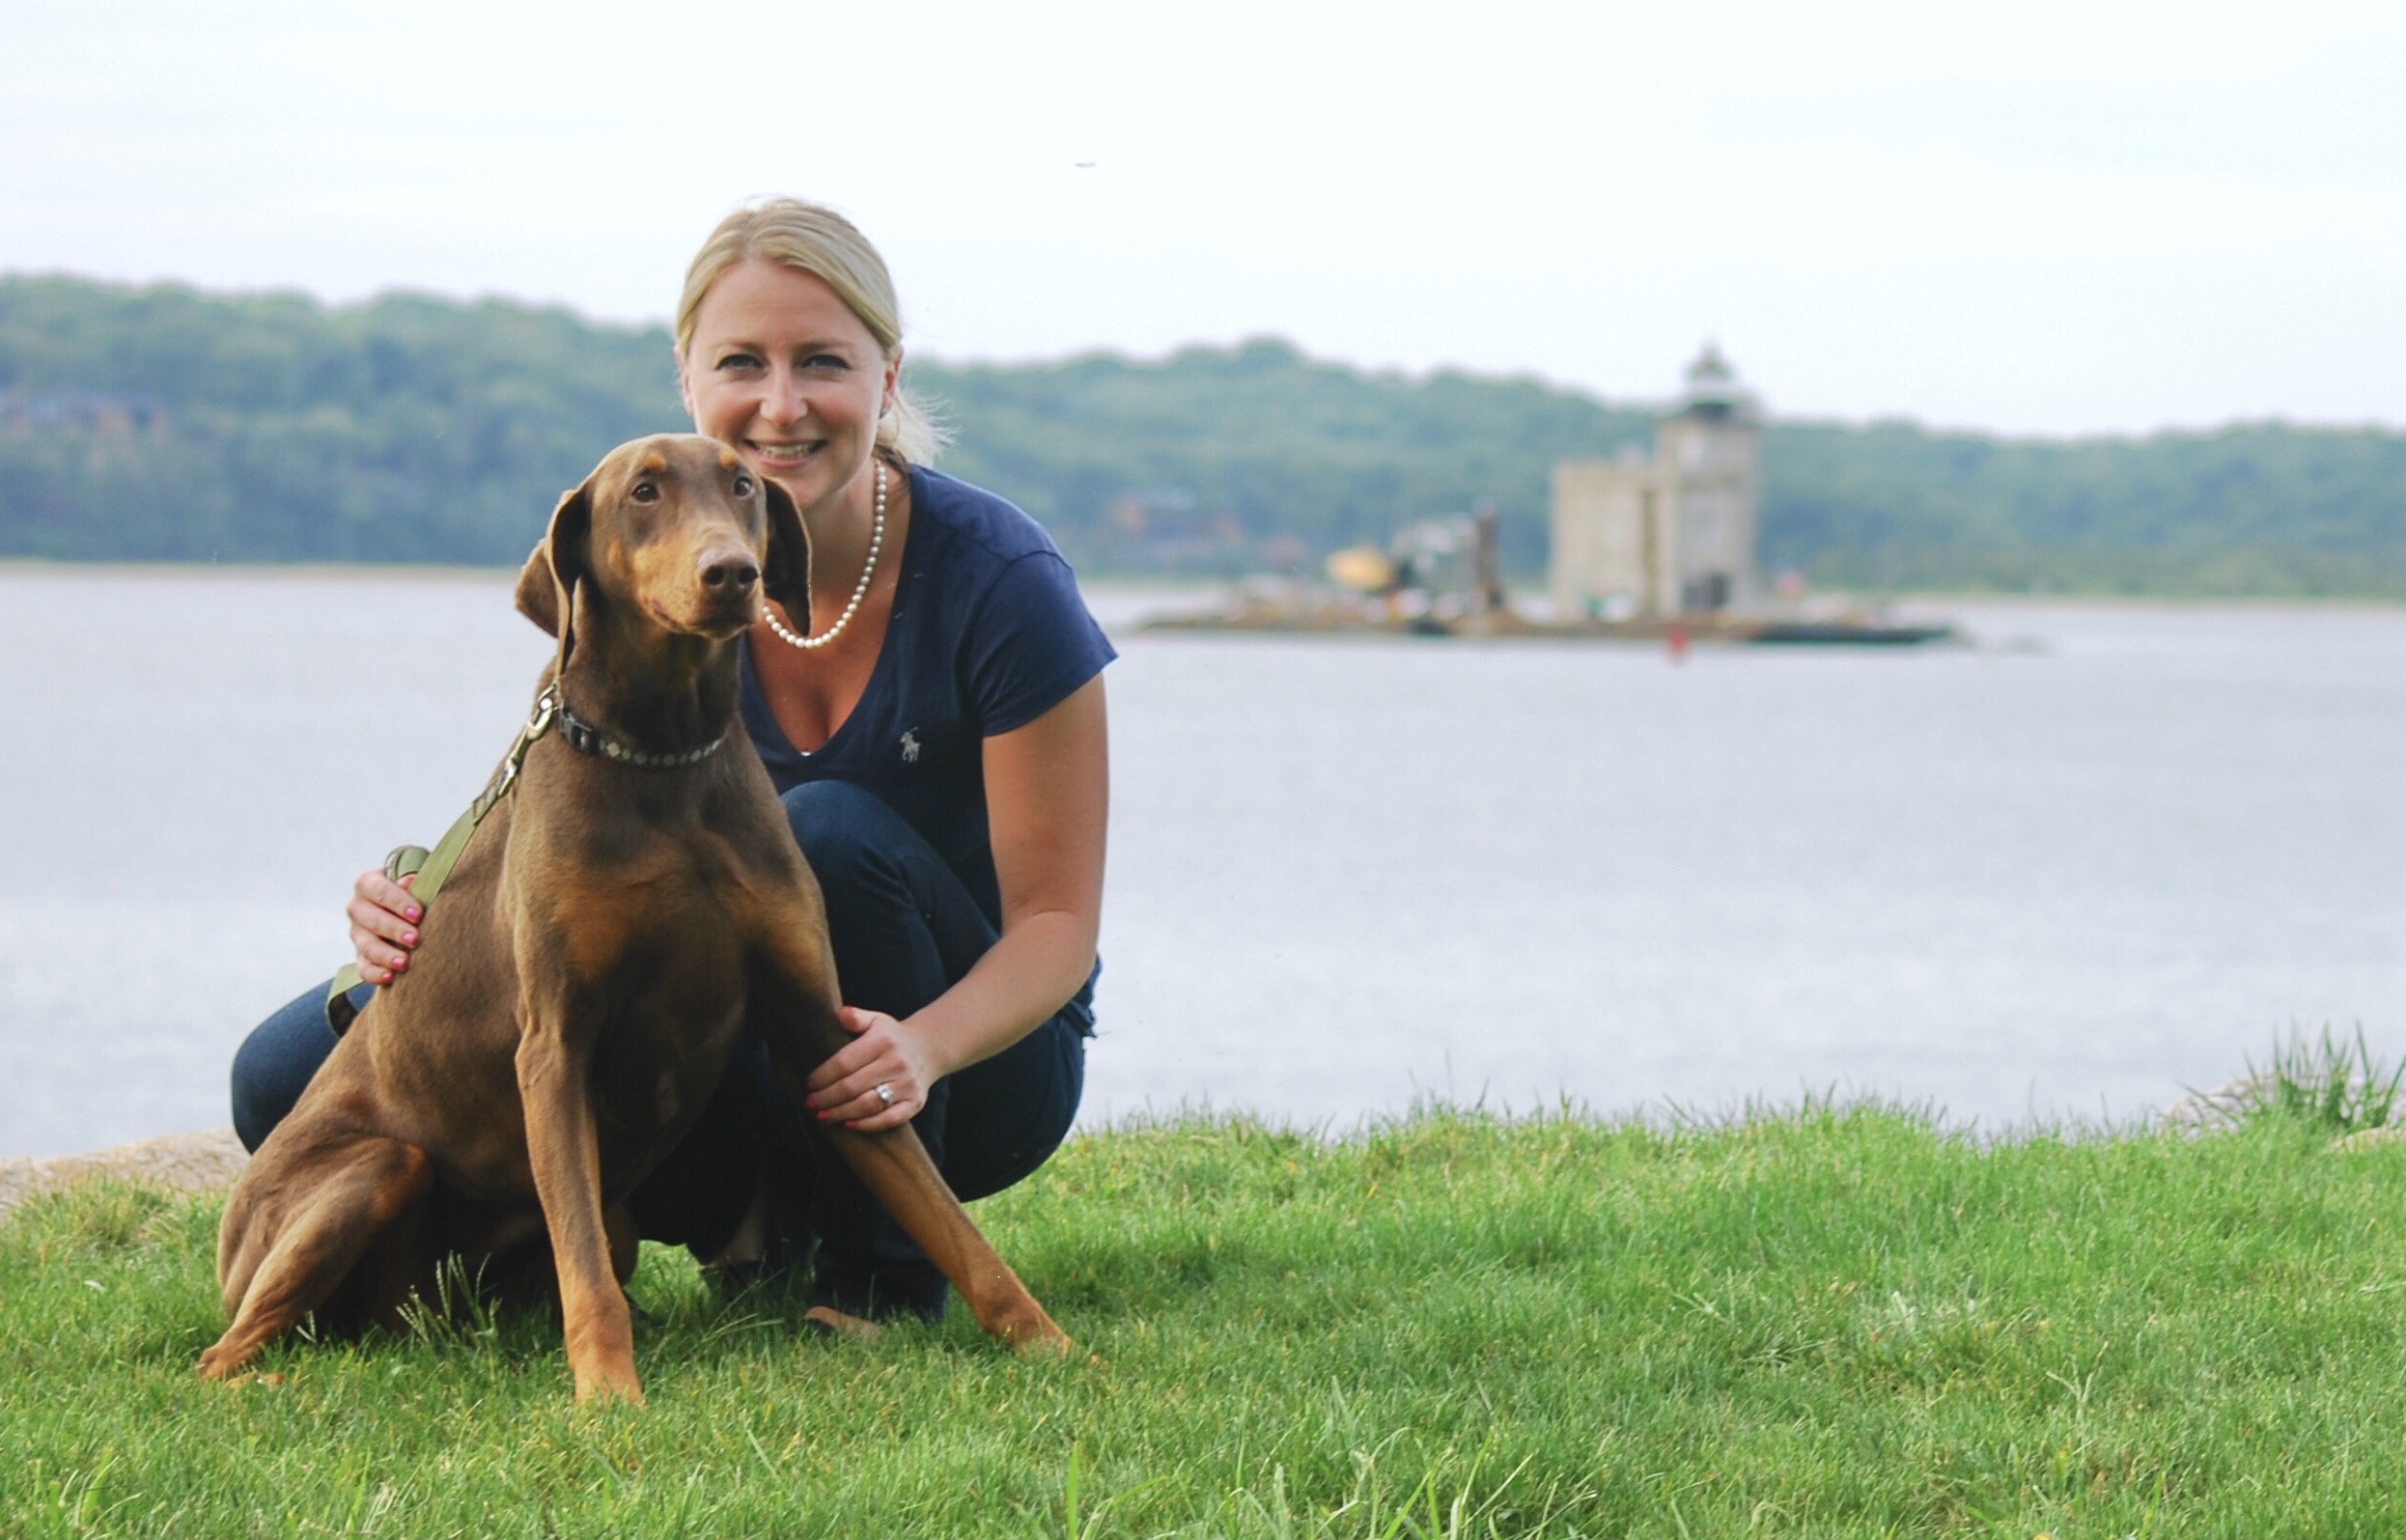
pixel 883 1051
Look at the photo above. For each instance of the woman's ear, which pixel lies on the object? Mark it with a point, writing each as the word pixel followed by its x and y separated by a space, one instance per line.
pixel 685 386
pixel 785 576
pixel 547 586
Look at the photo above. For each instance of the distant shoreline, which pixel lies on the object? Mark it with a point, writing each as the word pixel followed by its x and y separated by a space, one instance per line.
pixel 36 566
pixel 410 572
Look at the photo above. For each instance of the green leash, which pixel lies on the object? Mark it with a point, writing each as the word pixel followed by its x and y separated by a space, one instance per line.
pixel 433 867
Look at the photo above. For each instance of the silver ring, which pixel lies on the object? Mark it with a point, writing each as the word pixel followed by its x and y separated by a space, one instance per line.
pixel 885 1093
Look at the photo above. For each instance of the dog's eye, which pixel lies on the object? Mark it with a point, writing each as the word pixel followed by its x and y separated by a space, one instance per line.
pixel 743 486
pixel 645 492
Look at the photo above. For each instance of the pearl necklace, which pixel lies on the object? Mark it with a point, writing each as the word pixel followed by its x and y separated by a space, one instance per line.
pixel 860 591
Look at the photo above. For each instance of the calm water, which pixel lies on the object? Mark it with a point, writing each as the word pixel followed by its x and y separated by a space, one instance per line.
pixel 2069 877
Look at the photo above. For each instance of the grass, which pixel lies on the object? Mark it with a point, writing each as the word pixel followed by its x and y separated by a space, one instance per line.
pixel 1827 1322
pixel 2327 1083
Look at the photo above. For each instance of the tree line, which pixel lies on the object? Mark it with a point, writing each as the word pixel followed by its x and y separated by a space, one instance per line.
pixel 161 424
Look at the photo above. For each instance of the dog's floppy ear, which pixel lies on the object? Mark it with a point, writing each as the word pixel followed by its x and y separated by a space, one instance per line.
pixel 547 587
pixel 785 575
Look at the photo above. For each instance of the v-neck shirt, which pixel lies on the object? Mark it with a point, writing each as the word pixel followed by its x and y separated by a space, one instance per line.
pixel 988 633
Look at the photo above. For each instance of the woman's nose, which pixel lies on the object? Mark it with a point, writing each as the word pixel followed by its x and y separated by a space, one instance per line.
pixel 783 401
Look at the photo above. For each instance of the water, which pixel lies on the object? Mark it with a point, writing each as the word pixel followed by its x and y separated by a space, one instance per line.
pixel 2066 879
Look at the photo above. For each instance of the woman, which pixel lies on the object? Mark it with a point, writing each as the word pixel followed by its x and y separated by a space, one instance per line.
pixel 941 749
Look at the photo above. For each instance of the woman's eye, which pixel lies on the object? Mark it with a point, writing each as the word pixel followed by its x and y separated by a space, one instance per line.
pixel 645 492
pixel 828 361
pixel 736 361
pixel 743 486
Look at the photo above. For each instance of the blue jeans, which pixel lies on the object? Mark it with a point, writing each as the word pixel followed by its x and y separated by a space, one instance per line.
pixel 905 929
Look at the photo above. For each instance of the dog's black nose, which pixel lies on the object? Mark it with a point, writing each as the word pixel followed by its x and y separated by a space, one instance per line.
pixel 729 571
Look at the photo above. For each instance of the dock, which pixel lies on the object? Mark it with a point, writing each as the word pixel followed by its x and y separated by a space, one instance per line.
pixel 1335 615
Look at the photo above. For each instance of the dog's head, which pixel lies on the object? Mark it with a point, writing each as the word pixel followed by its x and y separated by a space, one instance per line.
pixel 672 532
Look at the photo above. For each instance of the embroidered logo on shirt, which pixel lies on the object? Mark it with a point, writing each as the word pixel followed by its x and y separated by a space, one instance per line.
pixel 911 746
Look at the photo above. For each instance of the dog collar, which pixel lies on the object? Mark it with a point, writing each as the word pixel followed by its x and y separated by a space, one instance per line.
pixel 586 739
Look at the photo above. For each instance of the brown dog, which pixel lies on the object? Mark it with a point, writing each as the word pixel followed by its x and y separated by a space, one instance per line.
pixel 610 931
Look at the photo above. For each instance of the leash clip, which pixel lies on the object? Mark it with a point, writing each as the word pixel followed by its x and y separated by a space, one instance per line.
pixel 538 723
pixel 539 720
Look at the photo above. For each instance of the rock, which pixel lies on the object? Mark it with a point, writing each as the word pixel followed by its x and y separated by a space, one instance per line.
pixel 185 1162
pixel 2216 1111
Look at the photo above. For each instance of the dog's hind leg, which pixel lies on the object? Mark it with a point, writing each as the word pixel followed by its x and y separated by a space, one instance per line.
pixel 281 1262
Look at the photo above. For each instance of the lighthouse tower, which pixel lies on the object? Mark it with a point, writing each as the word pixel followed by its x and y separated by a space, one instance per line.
pixel 1710 455
pixel 1674 534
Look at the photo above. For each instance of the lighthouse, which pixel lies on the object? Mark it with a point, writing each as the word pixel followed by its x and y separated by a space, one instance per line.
pixel 1674 534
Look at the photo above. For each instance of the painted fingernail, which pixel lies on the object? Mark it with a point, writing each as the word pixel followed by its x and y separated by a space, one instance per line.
pixel 413 913
pixel 408 937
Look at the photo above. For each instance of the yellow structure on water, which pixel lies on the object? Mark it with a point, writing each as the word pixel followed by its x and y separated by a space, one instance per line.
pixel 1674 534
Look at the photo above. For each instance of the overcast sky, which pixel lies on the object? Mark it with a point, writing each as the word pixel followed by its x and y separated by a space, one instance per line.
pixel 2032 217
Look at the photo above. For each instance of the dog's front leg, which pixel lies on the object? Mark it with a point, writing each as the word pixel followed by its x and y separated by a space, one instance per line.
pixel 793 1009
pixel 566 1153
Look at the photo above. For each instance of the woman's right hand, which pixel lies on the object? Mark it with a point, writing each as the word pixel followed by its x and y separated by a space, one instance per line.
pixel 383 924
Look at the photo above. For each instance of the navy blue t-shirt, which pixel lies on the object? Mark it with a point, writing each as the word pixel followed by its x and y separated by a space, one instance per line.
pixel 988 633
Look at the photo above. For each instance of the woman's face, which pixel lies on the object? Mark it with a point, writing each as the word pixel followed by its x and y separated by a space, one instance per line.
pixel 780 368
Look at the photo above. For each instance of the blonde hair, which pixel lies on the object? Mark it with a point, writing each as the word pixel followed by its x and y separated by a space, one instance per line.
pixel 822 242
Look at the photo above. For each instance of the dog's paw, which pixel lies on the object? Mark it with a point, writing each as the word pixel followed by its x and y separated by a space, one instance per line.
pixel 221 1362
pixel 601 1388
pixel 1035 1336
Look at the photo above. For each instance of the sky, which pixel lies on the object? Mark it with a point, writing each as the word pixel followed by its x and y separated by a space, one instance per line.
pixel 2030 218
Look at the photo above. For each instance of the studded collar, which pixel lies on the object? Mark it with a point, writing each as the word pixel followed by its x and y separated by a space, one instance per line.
pixel 586 739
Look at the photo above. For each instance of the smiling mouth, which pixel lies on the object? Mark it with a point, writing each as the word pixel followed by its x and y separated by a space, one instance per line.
pixel 782 455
